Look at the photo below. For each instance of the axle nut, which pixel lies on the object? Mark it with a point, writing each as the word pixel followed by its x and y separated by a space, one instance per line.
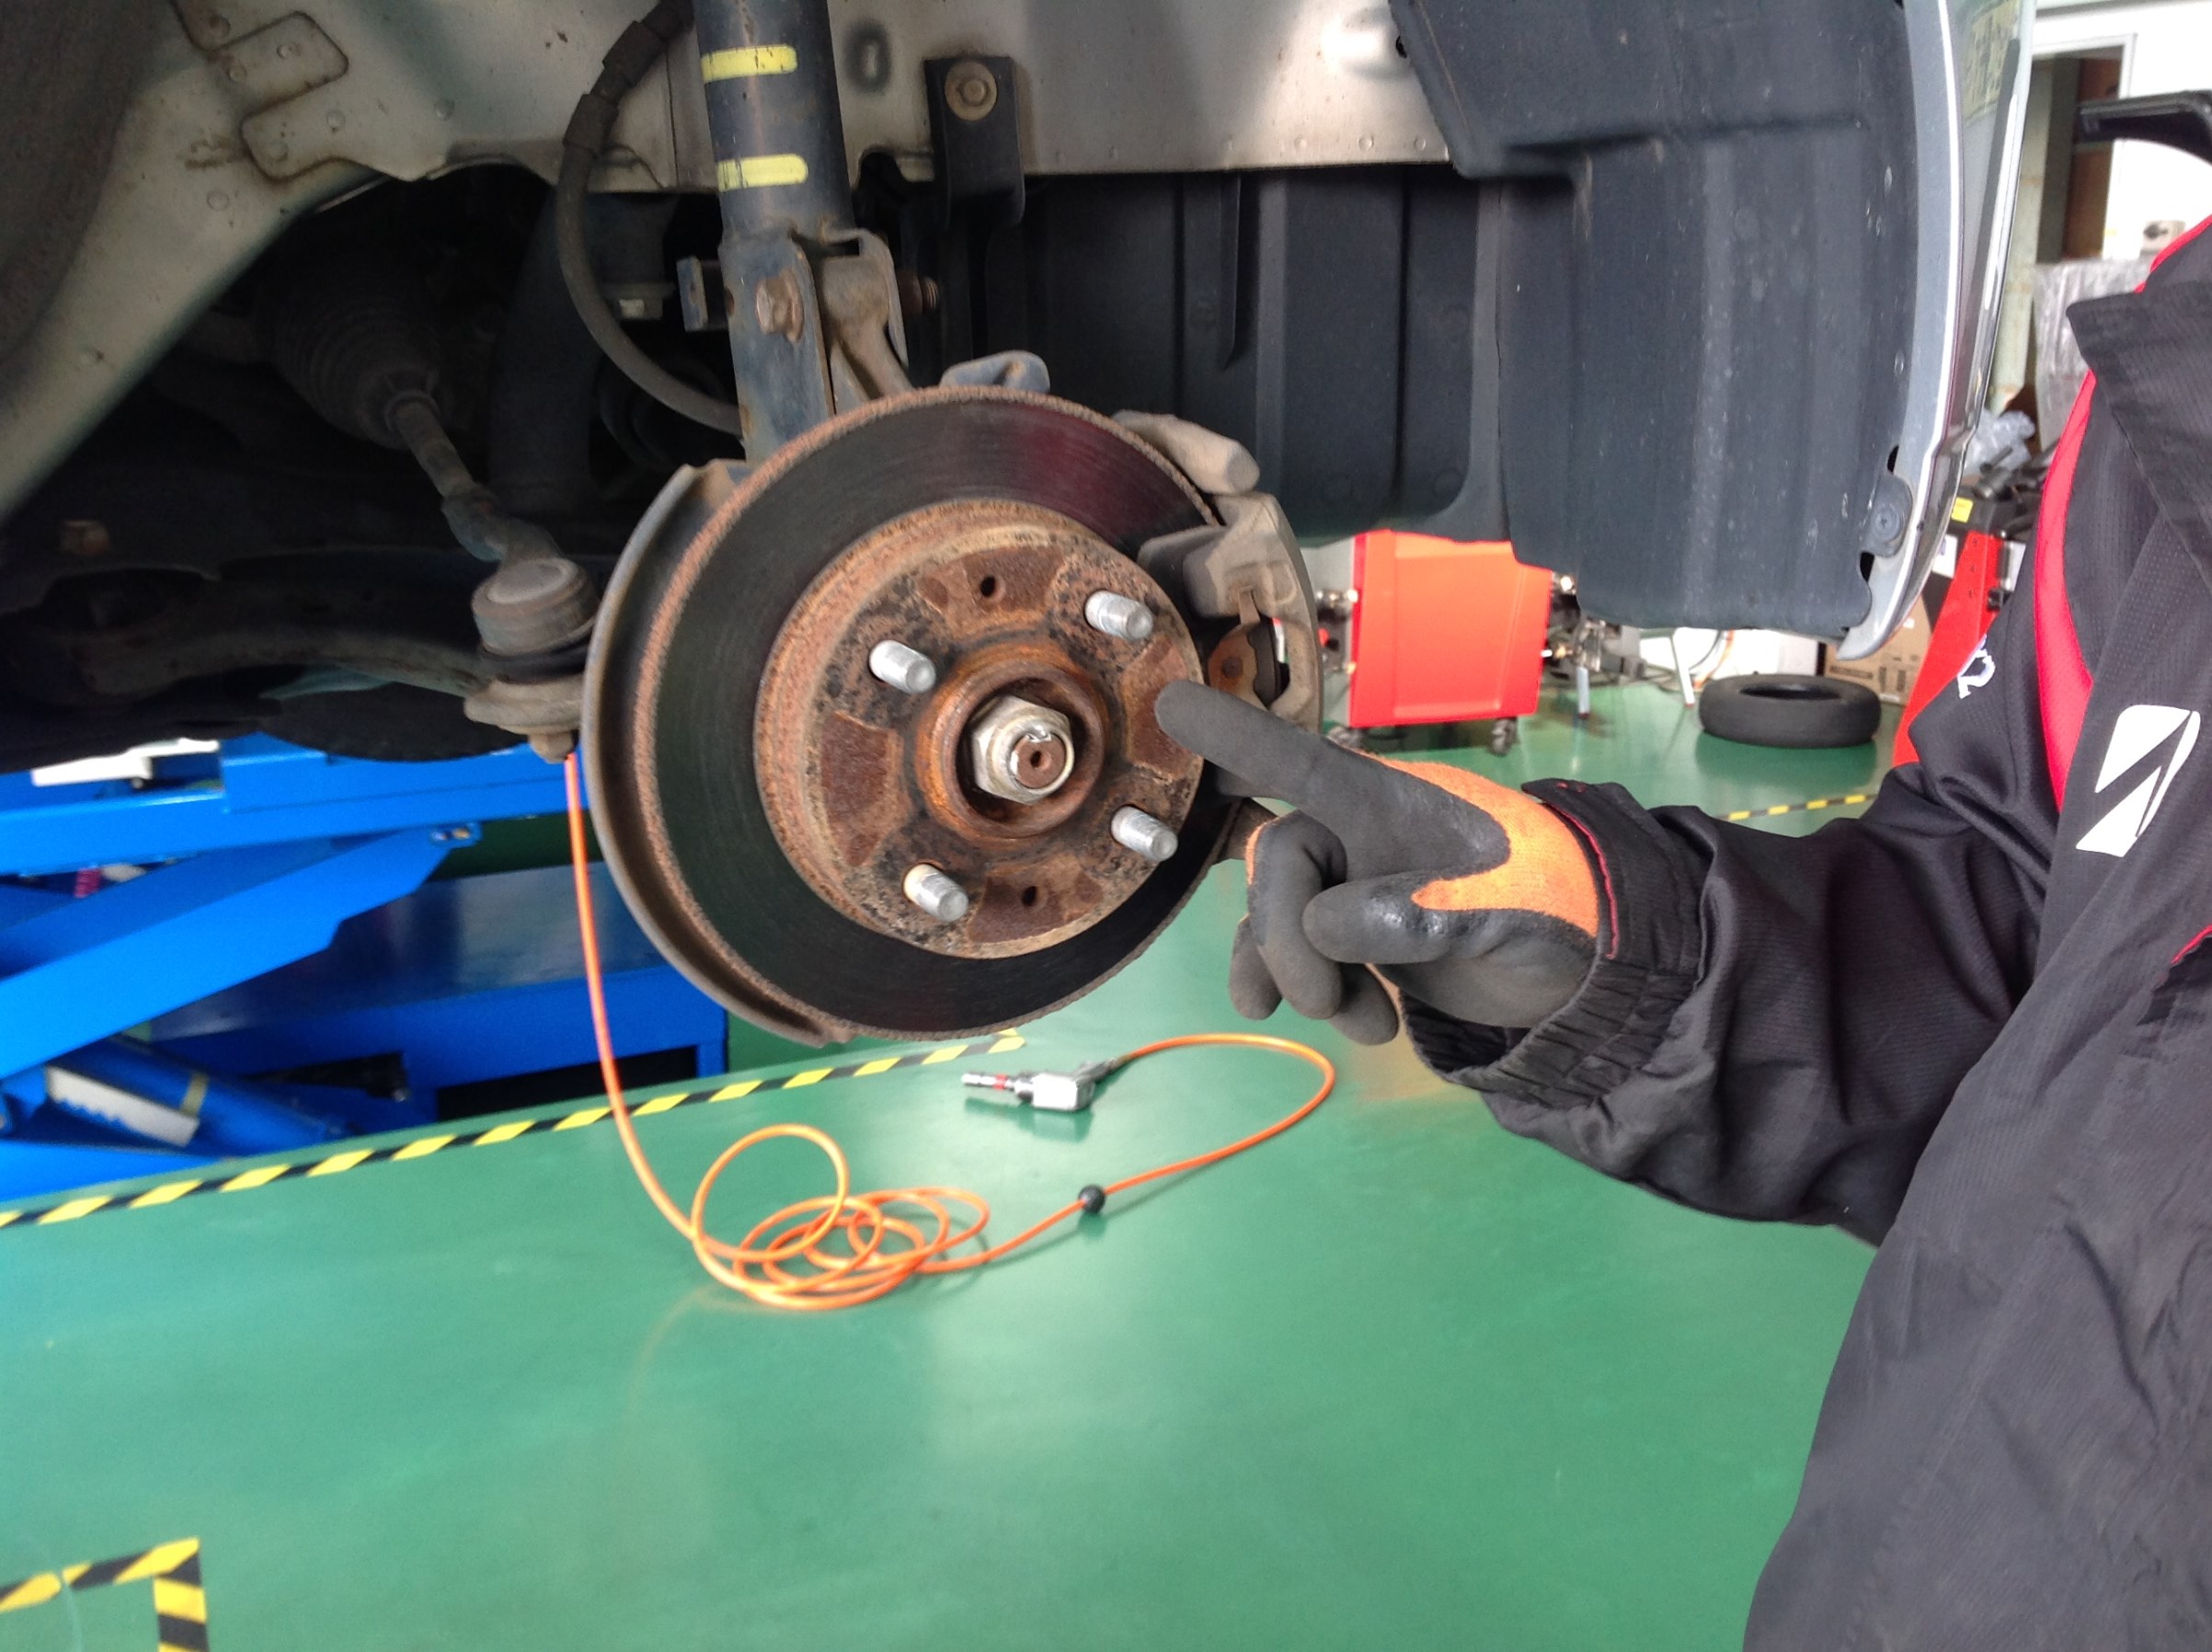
pixel 1020 750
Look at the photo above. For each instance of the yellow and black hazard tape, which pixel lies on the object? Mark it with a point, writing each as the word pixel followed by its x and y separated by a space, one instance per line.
pixel 180 1600
pixel 1845 801
pixel 422 1147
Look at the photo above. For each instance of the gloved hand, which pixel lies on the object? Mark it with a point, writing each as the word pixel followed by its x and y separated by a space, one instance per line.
pixel 1473 898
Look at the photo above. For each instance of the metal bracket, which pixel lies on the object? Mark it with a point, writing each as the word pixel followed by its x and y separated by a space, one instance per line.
pixel 265 71
pixel 1248 570
pixel 867 332
pixel 775 340
pixel 975 135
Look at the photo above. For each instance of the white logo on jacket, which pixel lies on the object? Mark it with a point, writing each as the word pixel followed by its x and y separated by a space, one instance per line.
pixel 2139 731
pixel 1975 673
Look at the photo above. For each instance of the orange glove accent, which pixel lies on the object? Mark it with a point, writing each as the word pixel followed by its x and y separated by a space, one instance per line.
pixel 1545 870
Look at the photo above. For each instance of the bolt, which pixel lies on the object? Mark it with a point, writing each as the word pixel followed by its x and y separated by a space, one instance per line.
pixel 1118 615
pixel 936 894
pixel 970 89
pixel 906 669
pixel 777 307
pixel 1140 835
pixel 918 294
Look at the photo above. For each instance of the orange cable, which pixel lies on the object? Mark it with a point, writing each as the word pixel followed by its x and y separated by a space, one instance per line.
pixel 881 1248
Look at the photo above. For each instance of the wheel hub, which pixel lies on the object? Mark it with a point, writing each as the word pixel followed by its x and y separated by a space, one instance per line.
pixel 1005 774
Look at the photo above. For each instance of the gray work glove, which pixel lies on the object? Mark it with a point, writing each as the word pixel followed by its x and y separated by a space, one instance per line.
pixel 1476 899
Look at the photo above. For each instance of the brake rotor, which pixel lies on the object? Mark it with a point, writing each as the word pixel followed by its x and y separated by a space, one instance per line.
pixel 765 796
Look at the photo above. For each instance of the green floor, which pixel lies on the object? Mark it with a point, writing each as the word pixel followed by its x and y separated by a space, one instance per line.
pixel 1397 1379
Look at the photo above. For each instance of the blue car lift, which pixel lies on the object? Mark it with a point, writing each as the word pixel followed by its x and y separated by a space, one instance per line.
pixel 221 957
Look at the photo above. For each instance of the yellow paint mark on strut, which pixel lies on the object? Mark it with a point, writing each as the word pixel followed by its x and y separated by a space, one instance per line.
pixel 71 1210
pixel 951 1052
pixel 341 1161
pixel 761 172
pixel 422 1148
pixel 169 1193
pixel 1779 809
pixel 1006 1041
pixel 247 1179
pixel 870 1069
pixel 578 1120
pixel 799 1081
pixel 742 62
pixel 744 1086
pixel 504 1132
pixel 659 1104
pixel 154 1562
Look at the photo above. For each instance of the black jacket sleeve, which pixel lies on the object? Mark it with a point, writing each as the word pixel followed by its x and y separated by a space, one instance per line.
pixel 1773 1026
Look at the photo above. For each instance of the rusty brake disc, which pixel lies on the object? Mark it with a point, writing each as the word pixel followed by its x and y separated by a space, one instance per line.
pixel 763 795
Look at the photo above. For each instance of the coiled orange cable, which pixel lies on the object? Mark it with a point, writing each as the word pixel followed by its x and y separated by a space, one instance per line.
pixel 854 1248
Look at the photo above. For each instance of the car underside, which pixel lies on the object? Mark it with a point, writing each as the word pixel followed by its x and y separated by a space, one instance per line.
pixel 407 380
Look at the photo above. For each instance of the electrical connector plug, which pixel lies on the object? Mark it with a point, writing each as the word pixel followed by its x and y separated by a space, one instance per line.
pixel 1048 1092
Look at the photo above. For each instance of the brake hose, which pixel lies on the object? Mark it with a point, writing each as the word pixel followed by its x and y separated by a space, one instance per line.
pixel 641 45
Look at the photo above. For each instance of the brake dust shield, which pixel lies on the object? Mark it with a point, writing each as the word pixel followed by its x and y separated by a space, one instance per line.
pixel 761 795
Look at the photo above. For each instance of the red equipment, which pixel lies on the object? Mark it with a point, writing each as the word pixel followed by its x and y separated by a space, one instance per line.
pixel 1443 632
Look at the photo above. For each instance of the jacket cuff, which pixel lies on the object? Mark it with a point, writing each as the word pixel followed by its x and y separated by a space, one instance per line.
pixel 1650 943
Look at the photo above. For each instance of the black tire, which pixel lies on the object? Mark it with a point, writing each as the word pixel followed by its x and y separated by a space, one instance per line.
pixel 1782 710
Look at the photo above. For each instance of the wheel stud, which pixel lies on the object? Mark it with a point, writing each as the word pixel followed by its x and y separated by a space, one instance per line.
pixel 936 894
pixel 1118 615
pixel 1140 835
pixel 906 669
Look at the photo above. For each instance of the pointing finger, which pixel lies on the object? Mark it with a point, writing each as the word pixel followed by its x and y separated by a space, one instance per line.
pixel 1276 759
